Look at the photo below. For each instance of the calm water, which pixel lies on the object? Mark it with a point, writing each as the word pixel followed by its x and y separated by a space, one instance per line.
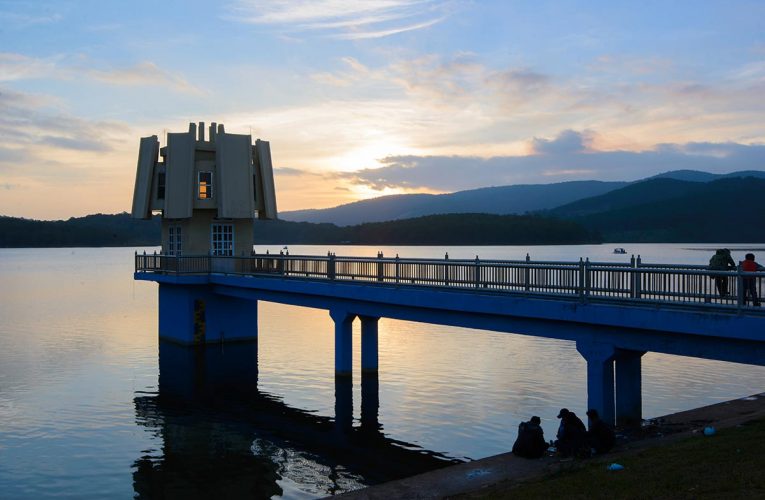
pixel 85 412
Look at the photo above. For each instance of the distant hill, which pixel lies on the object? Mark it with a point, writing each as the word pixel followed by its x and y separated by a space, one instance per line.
pixel 503 200
pixel 667 210
pixel 447 229
pixel 454 229
pixel 516 199
pixel 640 193
pixel 698 176
pixel 99 230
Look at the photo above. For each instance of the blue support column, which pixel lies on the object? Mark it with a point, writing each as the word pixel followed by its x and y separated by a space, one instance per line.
pixel 600 377
pixel 629 398
pixel 369 357
pixel 343 341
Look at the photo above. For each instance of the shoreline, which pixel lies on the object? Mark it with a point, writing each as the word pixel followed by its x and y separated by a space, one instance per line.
pixel 478 476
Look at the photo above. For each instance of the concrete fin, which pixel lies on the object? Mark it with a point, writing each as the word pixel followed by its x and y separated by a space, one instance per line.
pixel 265 179
pixel 179 190
pixel 148 153
pixel 233 158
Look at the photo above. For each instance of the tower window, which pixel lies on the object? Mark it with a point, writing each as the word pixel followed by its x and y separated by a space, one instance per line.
pixel 161 186
pixel 222 239
pixel 205 185
pixel 174 241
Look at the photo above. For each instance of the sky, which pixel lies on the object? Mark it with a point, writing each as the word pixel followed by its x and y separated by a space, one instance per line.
pixel 363 98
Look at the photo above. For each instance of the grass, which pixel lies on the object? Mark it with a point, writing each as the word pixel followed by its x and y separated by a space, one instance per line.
pixel 730 464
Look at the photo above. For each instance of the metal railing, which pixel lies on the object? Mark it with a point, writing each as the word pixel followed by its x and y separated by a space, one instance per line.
pixel 634 281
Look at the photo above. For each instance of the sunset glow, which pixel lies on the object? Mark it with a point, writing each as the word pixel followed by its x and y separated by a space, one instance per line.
pixel 372 98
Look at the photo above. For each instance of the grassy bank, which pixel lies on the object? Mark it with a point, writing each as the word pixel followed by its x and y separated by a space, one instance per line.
pixel 730 464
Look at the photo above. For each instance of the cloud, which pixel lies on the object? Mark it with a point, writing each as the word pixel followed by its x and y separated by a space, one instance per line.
pixel 20 20
pixel 562 159
pixel 20 67
pixel 144 73
pixel 32 127
pixel 342 19
pixel 15 67
pixel 567 142
pixel 291 172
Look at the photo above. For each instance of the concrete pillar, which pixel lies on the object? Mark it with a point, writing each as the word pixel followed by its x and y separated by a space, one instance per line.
pixel 343 403
pixel 343 341
pixel 629 398
pixel 193 314
pixel 369 349
pixel 600 377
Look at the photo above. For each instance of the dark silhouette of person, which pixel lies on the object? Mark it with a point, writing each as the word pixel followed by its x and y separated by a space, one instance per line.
pixel 601 436
pixel 572 434
pixel 722 261
pixel 748 265
pixel 530 442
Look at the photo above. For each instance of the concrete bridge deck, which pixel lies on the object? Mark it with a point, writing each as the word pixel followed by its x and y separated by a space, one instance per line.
pixel 614 313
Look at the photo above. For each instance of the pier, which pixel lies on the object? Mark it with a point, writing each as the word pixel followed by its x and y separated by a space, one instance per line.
pixel 615 312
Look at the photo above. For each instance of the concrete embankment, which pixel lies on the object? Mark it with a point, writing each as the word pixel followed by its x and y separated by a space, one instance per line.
pixel 472 477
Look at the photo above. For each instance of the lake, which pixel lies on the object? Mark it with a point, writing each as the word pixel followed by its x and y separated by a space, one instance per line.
pixel 84 413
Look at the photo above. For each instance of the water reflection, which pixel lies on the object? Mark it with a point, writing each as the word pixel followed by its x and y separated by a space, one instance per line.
pixel 221 436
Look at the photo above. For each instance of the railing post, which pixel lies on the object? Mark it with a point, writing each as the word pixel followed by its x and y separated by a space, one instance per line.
pixel 638 281
pixel 632 277
pixel 739 287
pixel 477 273
pixel 397 274
pixel 330 265
pixel 280 263
pixel 587 277
pixel 446 269
pixel 581 277
pixel 527 274
pixel 177 264
pixel 379 266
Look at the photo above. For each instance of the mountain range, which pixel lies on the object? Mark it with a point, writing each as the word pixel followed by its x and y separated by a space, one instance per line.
pixel 683 206
pixel 515 199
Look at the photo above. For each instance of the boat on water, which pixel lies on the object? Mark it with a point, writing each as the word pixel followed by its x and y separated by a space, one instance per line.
pixel 619 250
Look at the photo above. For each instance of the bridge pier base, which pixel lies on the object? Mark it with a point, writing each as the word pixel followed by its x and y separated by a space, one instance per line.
pixel 369 357
pixel 600 377
pixel 629 399
pixel 343 341
pixel 193 314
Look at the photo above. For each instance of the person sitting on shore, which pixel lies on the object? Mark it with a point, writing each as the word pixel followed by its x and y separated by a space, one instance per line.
pixel 531 439
pixel 601 436
pixel 748 265
pixel 572 434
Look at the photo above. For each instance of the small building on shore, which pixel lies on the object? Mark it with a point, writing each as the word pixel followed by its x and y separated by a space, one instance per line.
pixel 207 190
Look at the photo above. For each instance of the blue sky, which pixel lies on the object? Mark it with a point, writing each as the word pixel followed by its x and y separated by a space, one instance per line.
pixel 364 98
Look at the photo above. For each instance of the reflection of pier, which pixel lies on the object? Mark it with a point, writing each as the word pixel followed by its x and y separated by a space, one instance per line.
pixel 209 412
pixel 614 312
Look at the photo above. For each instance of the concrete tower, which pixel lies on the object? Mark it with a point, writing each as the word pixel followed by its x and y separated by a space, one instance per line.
pixel 208 191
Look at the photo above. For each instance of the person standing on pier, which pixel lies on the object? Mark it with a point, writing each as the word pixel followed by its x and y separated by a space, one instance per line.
pixel 748 265
pixel 722 261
